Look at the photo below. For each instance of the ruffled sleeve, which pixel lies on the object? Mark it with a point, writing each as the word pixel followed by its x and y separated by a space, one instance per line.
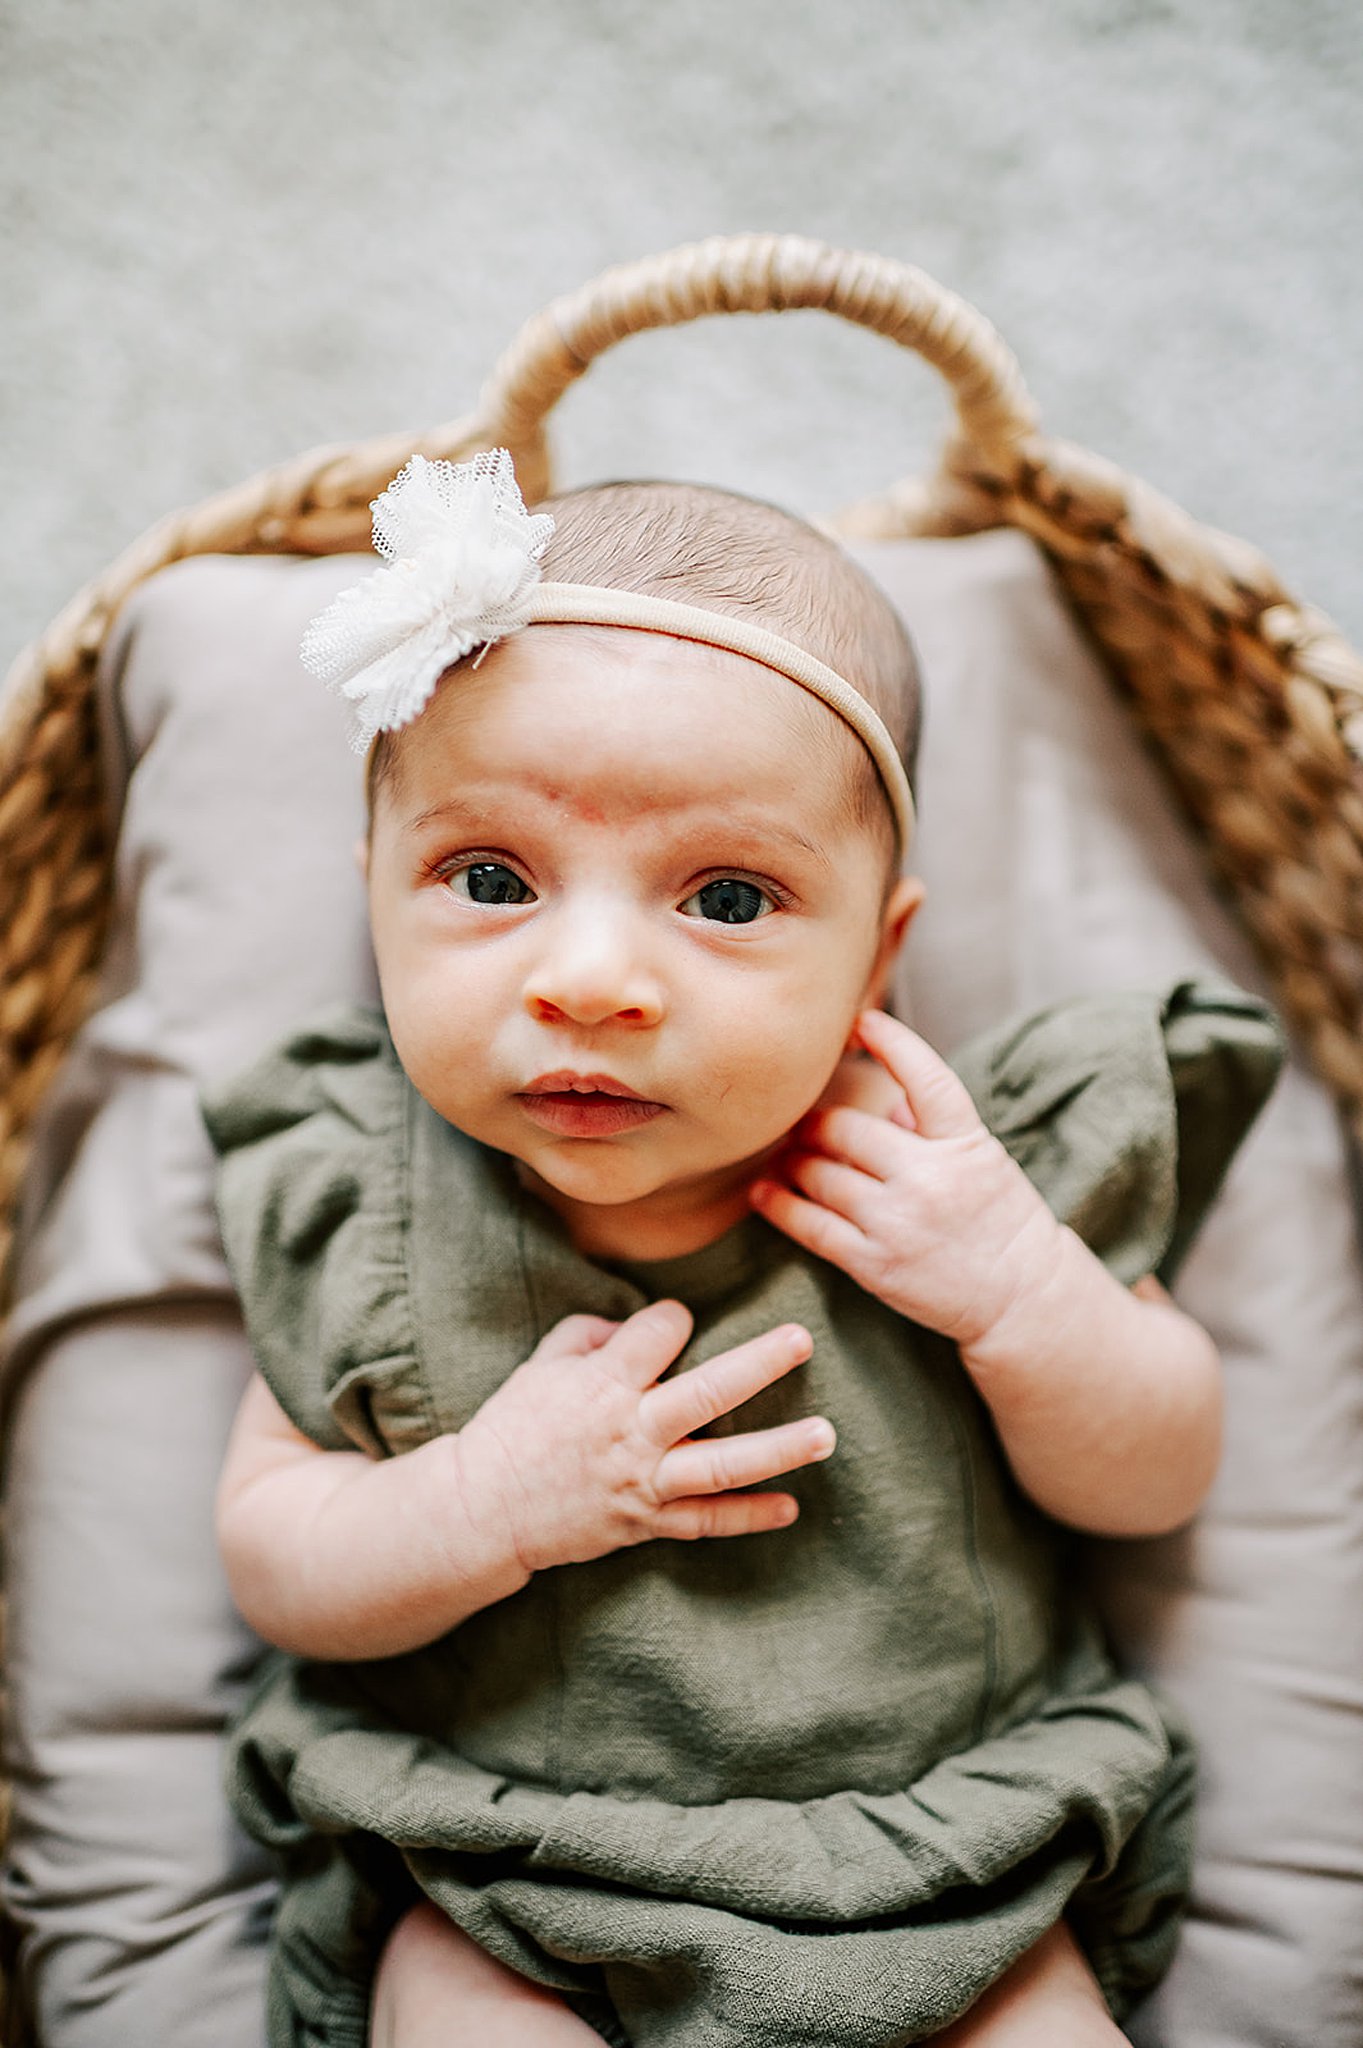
pixel 311 1198
pixel 1126 1110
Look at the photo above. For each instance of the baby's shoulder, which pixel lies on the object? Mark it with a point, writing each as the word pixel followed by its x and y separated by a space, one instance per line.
pixel 1126 1107
pixel 312 1206
pixel 337 1071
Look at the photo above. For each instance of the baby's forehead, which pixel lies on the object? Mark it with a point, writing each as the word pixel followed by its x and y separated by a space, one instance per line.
pixel 621 723
pixel 612 687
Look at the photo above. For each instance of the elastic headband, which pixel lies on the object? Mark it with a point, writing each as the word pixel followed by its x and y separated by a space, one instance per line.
pixel 597 604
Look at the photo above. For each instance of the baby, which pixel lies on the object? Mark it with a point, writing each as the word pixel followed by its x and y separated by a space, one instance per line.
pixel 631 1199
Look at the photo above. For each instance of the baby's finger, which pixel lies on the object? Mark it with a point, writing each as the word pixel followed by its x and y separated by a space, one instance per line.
pixel 574 1335
pixel 643 1346
pixel 819 1230
pixel 939 1100
pixel 870 1143
pixel 687 1403
pixel 843 1189
pixel 725 1464
pixel 725 1514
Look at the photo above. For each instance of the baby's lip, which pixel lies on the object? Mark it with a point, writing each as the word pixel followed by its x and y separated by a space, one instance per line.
pixel 583 1106
pixel 564 1082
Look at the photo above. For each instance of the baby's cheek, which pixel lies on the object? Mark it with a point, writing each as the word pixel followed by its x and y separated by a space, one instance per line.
pixel 436 1059
pixel 775 1092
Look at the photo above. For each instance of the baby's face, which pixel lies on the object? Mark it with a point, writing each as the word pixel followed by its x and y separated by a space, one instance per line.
pixel 624 920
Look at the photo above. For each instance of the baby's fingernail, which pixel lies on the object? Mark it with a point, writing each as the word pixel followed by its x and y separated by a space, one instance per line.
pixel 825 1439
pixel 674 1311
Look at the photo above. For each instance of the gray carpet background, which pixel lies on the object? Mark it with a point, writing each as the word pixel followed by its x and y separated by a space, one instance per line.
pixel 230 229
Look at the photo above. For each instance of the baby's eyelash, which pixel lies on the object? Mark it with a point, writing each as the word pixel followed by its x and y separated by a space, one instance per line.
pixel 438 866
pixel 783 898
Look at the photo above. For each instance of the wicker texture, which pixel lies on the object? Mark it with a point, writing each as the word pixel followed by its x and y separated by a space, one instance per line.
pixel 1253 700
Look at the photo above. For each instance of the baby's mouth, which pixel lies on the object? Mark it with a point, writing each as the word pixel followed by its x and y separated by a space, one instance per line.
pixel 586 1105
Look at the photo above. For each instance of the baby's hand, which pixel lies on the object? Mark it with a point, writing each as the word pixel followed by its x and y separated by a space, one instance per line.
pixel 582 1452
pixel 922 1206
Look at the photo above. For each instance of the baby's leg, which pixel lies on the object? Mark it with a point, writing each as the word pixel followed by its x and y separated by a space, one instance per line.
pixel 437 1989
pixel 1049 1999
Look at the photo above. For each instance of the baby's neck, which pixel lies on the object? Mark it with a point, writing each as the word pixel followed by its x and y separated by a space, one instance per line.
pixel 666 1225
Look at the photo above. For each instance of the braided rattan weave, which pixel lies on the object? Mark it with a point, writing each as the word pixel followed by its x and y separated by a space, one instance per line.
pixel 1253 700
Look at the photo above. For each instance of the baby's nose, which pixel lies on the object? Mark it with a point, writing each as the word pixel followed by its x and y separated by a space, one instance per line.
pixel 593 970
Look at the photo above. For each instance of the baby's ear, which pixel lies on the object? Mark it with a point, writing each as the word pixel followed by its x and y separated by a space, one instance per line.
pixel 362 858
pixel 901 907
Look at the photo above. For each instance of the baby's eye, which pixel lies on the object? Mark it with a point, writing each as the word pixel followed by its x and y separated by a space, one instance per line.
pixel 728 901
pixel 488 881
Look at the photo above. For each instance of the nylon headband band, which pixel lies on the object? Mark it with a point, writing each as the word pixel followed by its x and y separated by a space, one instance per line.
pixel 595 604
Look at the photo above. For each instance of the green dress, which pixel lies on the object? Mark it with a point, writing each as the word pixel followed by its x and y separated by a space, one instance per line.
pixel 813 1789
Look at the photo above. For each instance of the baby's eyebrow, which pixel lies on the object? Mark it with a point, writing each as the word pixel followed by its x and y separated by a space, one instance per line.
pixel 788 835
pixel 452 808
pixel 757 833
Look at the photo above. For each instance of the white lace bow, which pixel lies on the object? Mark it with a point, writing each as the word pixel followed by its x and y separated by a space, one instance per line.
pixel 462 557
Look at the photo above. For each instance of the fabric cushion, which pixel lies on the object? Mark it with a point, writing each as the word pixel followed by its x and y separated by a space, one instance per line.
pixel 1056 865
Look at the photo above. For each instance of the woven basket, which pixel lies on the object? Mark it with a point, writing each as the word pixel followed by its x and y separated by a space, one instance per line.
pixel 1253 700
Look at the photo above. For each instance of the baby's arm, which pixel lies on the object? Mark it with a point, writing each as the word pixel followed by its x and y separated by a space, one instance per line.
pixel 335 1555
pixel 1107 1400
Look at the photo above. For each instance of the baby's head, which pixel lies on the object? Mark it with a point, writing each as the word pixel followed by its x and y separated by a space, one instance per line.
pixel 749 560
pixel 629 890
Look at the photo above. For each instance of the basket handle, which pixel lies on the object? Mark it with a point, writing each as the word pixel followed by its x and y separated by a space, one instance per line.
pixel 318 502
pixel 757 274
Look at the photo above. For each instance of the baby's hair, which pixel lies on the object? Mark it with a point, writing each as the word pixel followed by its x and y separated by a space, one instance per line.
pixel 748 559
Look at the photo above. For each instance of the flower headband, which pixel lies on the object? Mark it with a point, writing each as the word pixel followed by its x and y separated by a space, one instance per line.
pixel 461 570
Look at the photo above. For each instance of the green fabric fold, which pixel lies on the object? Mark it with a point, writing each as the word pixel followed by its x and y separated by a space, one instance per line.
pixel 1126 1109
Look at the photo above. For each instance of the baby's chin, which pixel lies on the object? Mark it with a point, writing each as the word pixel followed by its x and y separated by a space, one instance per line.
pixel 619 1213
pixel 599 1185
pixel 584 1186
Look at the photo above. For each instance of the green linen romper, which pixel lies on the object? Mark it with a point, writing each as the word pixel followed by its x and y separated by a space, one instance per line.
pixel 810 1789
